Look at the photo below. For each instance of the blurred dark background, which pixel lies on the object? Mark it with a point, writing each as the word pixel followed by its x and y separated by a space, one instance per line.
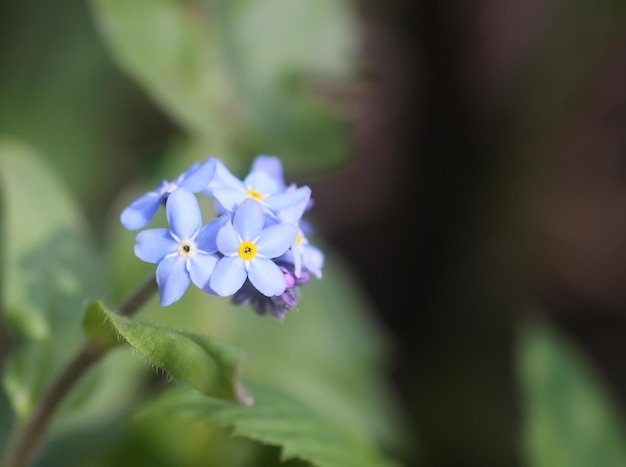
pixel 492 162
pixel 487 182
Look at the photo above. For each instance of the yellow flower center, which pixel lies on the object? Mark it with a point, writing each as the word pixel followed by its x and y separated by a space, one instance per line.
pixel 298 238
pixel 247 250
pixel 254 195
pixel 186 249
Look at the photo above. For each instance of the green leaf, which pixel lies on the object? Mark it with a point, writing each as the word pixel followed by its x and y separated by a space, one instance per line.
pixel 203 63
pixel 169 48
pixel 570 419
pixel 330 351
pixel 276 419
pixel 210 366
pixel 49 269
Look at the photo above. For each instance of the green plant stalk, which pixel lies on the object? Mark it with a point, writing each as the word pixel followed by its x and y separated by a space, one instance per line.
pixel 28 439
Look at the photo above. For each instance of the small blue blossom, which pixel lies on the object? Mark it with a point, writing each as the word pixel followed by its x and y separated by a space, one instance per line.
pixel 186 252
pixel 142 210
pixel 256 249
pixel 263 184
pixel 301 254
pixel 249 247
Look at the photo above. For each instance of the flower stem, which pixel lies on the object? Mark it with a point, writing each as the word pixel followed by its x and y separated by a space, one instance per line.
pixel 27 441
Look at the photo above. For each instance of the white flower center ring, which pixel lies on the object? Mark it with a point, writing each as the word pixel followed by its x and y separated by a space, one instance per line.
pixel 187 248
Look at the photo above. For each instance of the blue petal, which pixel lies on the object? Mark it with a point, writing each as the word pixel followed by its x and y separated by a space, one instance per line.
pixel 294 213
pixel 228 197
pixel 224 179
pixel 207 237
pixel 141 211
pixel 263 183
pixel 219 208
pixel 183 213
pixel 200 269
pixel 199 178
pixel 266 277
pixel 227 239
pixel 313 259
pixel 296 255
pixel 249 219
pixel 270 165
pixel 288 198
pixel 154 244
pixel 305 226
pixel 172 278
pixel 228 276
pixel 178 181
pixel 287 257
pixel 275 240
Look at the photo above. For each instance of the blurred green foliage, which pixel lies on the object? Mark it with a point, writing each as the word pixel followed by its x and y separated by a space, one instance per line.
pixel 240 75
pixel 570 418
pixel 49 267
pixel 230 79
pixel 197 61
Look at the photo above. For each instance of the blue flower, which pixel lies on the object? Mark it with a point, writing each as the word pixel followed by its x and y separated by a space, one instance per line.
pixel 248 248
pixel 186 252
pixel 256 250
pixel 263 184
pixel 301 254
pixel 142 210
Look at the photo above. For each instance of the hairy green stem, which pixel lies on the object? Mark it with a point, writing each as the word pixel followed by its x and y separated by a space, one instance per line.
pixel 28 439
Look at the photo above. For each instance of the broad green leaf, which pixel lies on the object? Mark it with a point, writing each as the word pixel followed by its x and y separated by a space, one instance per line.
pixel 74 116
pixel 570 419
pixel 276 418
pixel 211 367
pixel 330 351
pixel 169 48
pixel 49 269
pixel 241 75
pixel 164 441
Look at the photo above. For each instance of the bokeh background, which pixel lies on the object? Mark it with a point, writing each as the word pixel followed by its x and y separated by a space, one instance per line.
pixel 468 163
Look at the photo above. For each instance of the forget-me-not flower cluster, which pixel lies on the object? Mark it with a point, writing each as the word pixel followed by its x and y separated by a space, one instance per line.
pixel 255 250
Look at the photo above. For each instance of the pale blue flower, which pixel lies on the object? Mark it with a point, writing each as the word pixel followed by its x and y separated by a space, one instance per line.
pixel 302 254
pixel 248 247
pixel 143 209
pixel 186 252
pixel 263 184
